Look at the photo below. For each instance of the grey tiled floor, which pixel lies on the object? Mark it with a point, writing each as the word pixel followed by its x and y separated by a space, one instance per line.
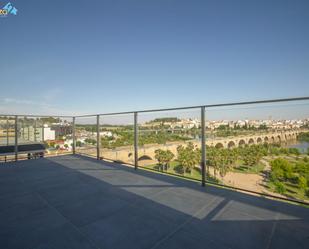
pixel 77 202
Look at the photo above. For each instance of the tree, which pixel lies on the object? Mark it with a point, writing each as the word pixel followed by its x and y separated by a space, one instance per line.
pixel 90 141
pixel 294 151
pixel 281 169
pixel 188 157
pixel 227 159
pixel 50 120
pixel 262 127
pixel 159 157
pixel 302 183
pixel 164 158
pixel 213 159
pixel 78 143
pixel 168 158
pixel 303 136
pixel 251 155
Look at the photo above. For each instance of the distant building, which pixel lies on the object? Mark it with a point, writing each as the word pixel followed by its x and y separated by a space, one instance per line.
pixel 106 134
pixel 30 133
pixel 62 129
pixel 49 134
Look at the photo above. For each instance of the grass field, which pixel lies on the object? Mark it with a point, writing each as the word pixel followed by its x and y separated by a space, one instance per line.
pixel 248 169
pixel 292 191
pixel 176 168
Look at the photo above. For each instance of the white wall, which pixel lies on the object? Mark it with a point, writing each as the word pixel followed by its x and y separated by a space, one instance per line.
pixel 49 134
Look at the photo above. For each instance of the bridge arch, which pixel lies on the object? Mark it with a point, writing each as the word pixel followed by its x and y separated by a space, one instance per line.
pixel 272 139
pixel 144 157
pixel 251 141
pixel 231 144
pixel 219 145
pixel 265 139
pixel 279 138
pixel 259 140
pixel 241 143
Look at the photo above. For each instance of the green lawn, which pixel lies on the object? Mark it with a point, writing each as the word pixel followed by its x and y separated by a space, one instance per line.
pixel 292 190
pixel 176 168
pixel 259 167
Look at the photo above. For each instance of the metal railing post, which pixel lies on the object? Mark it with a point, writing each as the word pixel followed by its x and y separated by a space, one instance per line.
pixel 43 132
pixel 73 134
pixel 16 138
pixel 135 141
pixel 98 137
pixel 28 132
pixel 23 129
pixel 203 146
pixel 34 131
pixel 7 131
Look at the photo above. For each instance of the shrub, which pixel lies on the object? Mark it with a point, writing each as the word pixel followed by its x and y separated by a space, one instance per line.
pixel 279 187
pixel 294 151
pixel 302 182
pixel 281 169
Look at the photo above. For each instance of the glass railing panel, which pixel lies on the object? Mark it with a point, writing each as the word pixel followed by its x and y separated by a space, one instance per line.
pixel 260 147
pixel 7 136
pixel 7 130
pixel 86 135
pixel 30 130
pixel 54 132
pixel 57 135
pixel 117 138
pixel 170 142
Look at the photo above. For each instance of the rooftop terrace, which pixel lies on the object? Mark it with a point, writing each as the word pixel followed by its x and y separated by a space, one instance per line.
pixel 78 202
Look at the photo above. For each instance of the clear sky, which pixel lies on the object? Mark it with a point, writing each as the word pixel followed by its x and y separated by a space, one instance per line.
pixel 76 57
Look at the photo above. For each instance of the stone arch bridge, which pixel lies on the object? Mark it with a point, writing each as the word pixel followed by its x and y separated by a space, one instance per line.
pixel 147 152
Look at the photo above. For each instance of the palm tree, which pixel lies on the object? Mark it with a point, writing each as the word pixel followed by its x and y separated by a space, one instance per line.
pixel 164 158
pixel 168 157
pixel 159 155
pixel 188 157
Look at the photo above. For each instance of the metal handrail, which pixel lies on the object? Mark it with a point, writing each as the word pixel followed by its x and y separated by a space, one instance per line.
pixel 199 106
pixel 169 109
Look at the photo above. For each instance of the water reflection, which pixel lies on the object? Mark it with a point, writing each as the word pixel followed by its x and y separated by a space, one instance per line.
pixel 301 146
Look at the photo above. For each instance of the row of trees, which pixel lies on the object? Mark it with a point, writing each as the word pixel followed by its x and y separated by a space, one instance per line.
pixel 222 160
pixel 188 157
pixel 125 138
pixel 303 136
pixel 226 130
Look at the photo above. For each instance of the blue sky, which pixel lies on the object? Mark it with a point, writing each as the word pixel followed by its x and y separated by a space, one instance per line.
pixel 76 57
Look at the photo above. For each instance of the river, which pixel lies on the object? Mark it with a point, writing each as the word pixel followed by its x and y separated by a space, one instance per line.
pixel 301 146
